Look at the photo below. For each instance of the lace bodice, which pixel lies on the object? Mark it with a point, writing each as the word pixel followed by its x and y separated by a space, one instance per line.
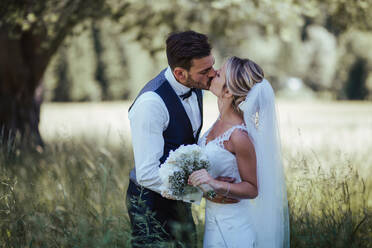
pixel 223 162
pixel 222 138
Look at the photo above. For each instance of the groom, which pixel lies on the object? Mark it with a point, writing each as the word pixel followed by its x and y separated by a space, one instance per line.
pixel 167 113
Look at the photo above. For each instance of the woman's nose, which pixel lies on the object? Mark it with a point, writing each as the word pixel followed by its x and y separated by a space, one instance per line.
pixel 212 73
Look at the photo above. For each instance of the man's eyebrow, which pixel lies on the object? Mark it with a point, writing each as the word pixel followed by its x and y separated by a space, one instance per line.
pixel 207 69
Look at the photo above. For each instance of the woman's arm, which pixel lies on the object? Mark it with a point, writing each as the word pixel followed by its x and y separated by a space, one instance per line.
pixel 240 145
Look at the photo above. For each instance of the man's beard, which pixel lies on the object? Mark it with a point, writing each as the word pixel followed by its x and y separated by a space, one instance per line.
pixel 194 84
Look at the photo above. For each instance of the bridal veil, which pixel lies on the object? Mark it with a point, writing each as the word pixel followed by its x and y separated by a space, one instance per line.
pixel 269 210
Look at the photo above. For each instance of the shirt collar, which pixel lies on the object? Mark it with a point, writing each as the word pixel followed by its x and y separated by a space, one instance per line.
pixel 177 87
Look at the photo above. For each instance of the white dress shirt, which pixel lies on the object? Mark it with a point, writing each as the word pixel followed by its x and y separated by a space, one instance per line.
pixel 149 118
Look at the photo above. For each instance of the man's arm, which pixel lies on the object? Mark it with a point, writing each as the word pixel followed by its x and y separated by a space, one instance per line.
pixel 148 119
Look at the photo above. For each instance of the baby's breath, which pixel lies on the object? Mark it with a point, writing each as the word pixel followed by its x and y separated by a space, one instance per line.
pixel 180 164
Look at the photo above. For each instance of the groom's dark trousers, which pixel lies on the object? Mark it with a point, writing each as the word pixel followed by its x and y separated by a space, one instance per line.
pixel 153 218
pixel 157 221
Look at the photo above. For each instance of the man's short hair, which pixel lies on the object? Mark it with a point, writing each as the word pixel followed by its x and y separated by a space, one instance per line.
pixel 183 47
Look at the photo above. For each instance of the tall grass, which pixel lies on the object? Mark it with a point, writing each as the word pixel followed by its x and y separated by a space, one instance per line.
pixel 328 203
pixel 73 195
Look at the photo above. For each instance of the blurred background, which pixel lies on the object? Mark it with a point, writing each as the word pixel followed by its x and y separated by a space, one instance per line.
pixel 308 49
pixel 69 70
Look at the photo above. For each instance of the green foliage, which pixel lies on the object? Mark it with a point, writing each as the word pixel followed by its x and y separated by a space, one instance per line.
pixel 328 205
pixel 289 38
pixel 50 18
pixel 72 195
pixel 353 50
pixel 341 16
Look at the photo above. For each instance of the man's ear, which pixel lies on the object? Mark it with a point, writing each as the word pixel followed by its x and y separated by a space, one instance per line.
pixel 180 74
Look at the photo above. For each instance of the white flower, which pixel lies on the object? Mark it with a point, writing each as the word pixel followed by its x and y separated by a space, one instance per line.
pixel 165 171
pixel 176 170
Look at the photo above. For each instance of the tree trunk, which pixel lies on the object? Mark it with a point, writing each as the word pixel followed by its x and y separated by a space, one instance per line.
pixel 100 74
pixel 24 57
pixel 62 92
pixel 22 64
pixel 355 87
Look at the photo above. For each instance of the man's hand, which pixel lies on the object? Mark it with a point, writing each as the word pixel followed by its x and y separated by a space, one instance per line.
pixel 226 179
pixel 223 199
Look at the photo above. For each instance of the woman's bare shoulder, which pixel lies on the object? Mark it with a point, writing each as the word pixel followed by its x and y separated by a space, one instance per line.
pixel 240 140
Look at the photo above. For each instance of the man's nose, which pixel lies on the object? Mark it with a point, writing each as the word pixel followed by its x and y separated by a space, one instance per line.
pixel 212 73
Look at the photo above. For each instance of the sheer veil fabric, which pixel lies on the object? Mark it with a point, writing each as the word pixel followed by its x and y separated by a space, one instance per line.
pixel 269 210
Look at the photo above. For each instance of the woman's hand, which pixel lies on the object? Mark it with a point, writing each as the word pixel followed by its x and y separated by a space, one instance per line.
pixel 200 177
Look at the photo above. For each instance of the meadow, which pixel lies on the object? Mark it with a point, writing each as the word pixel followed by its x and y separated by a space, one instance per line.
pixel 73 193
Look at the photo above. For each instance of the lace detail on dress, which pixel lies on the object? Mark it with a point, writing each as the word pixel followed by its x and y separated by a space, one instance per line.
pixel 203 140
pixel 222 138
pixel 226 135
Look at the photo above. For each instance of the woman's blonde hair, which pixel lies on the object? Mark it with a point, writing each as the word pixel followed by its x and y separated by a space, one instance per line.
pixel 241 76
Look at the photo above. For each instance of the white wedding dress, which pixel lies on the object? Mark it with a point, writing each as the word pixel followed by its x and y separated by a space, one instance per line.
pixel 226 225
pixel 262 222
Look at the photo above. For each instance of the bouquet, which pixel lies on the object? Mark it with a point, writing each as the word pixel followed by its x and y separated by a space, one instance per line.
pixel 176 170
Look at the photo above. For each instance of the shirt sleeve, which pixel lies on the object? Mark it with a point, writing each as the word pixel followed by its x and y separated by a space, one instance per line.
pixel 148 118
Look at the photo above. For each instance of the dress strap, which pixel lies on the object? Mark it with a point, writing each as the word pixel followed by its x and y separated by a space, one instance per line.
pixel 226 135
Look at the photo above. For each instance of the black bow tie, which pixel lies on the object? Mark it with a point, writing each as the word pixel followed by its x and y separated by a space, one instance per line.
pixel 187 94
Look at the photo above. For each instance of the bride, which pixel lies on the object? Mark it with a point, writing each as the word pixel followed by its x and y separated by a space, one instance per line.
pixel 244 144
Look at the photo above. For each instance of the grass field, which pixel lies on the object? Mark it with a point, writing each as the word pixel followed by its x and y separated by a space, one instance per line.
pixel 72 195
